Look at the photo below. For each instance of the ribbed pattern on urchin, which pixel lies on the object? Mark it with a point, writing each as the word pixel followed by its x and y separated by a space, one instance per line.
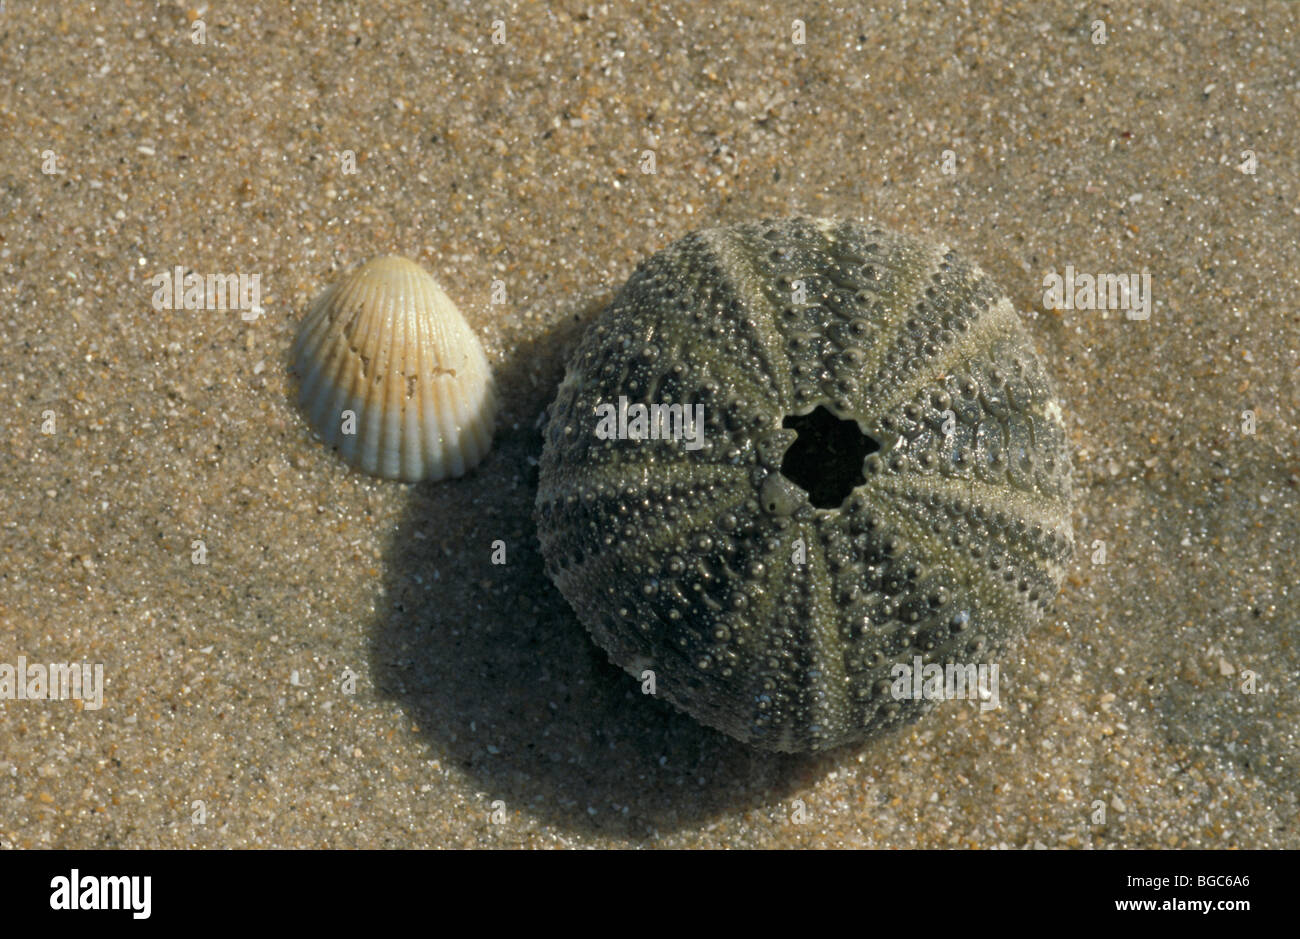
pixel 762 615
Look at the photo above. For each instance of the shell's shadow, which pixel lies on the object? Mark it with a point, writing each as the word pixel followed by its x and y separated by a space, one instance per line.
pixel 503 681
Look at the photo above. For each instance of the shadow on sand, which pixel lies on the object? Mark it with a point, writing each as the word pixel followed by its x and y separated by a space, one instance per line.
pixel 501 678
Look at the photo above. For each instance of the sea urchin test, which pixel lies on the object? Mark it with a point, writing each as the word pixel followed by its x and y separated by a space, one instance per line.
pixel 882 478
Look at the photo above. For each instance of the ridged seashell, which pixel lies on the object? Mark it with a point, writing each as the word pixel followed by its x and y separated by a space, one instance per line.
pixel 388 346
pixel 882 477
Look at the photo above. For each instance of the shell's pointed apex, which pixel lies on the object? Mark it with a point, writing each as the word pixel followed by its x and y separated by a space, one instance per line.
pixel 389 262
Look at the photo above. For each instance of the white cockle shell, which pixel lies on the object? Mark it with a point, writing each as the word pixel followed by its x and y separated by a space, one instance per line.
pixel 393 376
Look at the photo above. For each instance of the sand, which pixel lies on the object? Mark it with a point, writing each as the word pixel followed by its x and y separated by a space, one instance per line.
pixel 348 668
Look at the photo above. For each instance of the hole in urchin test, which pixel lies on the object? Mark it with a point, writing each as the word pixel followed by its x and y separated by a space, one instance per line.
pixel 826 459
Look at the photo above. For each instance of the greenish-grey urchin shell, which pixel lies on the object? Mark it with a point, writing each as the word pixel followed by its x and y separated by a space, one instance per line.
pixel 760 613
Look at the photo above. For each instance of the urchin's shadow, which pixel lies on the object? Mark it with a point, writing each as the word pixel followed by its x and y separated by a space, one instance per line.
pixel 503 681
